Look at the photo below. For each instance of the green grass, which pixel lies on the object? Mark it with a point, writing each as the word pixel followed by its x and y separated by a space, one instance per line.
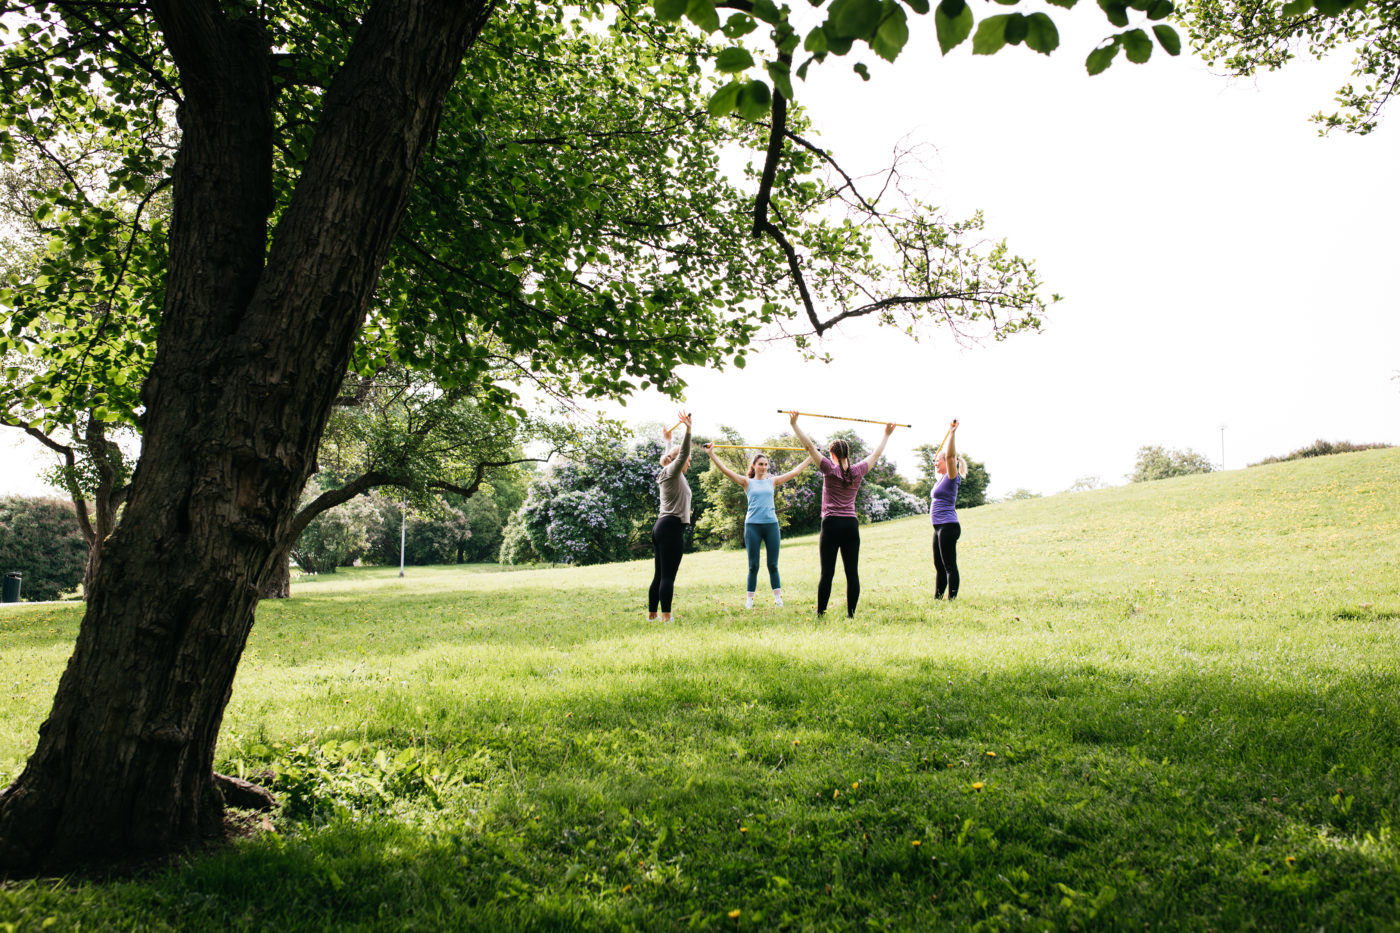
pixel 1174 704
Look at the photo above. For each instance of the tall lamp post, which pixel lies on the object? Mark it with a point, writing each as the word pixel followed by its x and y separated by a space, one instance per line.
pixel 403 523
pixel 1222 447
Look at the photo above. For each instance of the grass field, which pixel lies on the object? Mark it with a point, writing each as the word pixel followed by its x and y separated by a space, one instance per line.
pixel 1170 705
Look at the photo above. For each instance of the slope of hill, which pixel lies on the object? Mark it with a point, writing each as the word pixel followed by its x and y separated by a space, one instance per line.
pixel 1173 704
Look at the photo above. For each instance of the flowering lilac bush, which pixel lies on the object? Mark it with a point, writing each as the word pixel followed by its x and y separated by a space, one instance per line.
pixel 592 511
pixel 886 502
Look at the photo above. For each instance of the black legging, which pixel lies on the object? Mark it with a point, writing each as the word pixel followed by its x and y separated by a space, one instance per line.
pixel 839 533
pixel 945 558
pixel 668 538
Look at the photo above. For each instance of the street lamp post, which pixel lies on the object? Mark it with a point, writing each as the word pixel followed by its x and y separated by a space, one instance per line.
pixel 1222 447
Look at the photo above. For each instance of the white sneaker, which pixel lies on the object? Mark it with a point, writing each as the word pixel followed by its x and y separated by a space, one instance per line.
pixel 748 602
pixel 777 601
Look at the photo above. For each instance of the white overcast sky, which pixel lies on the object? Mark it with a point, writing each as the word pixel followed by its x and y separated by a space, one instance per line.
pixel 1220 264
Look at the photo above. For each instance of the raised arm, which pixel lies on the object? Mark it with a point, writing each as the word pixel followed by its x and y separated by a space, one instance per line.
pixel 792 474
pixel 804 440
pixel 678 465
pixel 741 480
pixel 953 448
pixel 880 448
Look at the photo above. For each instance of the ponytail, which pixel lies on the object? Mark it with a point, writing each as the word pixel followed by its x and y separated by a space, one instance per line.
pixel 841 451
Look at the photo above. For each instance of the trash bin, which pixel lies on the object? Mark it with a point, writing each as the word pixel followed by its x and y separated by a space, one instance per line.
pixel 12 581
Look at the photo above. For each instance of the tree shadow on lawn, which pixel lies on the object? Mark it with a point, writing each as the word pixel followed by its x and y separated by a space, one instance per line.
pixel 838 795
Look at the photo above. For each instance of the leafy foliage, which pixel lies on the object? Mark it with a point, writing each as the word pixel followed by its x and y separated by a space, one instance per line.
pixel 1153 462
pixel 1246 36
pixel 40 539
pixel 336 537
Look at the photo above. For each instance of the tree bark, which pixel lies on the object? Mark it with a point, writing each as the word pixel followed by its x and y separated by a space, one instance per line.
pixel 251 356
pixel 279 584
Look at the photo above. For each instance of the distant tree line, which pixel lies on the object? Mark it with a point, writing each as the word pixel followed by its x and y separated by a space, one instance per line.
pixel 1321 448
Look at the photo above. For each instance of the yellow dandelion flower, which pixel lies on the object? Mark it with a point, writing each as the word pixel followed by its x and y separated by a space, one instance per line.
pixel 835 794
pixel 796 741
pixel 855 786
pixel 743 829
pixel 917 843
pixel 978 785
pixel 734 915
pixel 626 888
pixel 991 754
pixel 1290 860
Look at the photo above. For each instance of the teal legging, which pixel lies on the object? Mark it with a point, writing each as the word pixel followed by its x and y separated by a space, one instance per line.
pixel 767 534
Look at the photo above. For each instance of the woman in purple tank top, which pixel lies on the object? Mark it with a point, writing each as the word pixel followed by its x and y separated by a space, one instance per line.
pixel 943 514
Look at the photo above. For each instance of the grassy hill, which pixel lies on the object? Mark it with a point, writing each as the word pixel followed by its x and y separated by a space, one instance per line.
pixel 1174 704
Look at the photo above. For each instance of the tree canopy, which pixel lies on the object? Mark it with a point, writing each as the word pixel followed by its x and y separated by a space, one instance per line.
pixel 1246 36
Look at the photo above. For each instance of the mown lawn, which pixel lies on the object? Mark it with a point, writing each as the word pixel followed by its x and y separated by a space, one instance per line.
pixel 1172 705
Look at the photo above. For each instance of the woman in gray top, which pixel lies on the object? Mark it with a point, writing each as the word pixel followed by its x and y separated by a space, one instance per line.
pixel 668 534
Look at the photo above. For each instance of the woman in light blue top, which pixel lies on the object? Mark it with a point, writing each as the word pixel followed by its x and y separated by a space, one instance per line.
pixel 761 521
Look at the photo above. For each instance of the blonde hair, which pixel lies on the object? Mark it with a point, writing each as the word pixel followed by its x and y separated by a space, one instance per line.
pixel 960 465
pixel 671 453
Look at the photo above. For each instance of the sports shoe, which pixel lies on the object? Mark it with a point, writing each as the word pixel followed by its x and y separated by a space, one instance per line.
pixel 748 602
pixel 777 601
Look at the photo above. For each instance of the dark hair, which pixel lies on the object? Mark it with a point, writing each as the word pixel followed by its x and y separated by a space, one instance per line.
pixel 841 451
pixel 755 460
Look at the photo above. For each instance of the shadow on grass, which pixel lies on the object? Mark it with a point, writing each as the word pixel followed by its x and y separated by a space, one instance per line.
pixel 828 796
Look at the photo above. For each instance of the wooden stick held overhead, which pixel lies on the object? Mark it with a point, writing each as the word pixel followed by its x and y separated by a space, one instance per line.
pixel 812 414
pixel 753 447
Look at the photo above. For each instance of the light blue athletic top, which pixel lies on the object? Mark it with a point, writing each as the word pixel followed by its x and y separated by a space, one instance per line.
pixel 761 502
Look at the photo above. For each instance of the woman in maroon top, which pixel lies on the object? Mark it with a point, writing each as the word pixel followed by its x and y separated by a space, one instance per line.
pixel 840 528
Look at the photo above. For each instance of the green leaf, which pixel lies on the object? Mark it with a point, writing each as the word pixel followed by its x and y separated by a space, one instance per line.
pixel 860 69
pixel 1041 34
pixel 1167 38
pixel 1161 9
pixel 670 10
pixel 754 100
pixel 892 35
pixel 952 8
pixel 816 41
pixel 918 6
pixel 739 24
pixel 723 100
pixel 854 19
pixel 702 13
pixel 787 38
pixel 1116 12
pixel 1099 59
pixel 991 35
pixel 1137 46
pixel 952 30
pixel 733 60
pixel 1297 7
pixel 1330 7
pixel 782 80
pixel 1015 28
pixel 1067 4
pixel 767 11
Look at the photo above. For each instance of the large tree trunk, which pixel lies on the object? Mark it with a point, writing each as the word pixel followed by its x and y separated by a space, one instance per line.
pixel 250 359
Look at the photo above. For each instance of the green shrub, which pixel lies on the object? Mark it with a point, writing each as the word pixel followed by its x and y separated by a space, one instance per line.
pixel 41 539
pixel 1155 462
pixel 1321 448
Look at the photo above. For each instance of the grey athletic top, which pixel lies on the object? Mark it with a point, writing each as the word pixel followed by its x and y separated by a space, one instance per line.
pixel 675 491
